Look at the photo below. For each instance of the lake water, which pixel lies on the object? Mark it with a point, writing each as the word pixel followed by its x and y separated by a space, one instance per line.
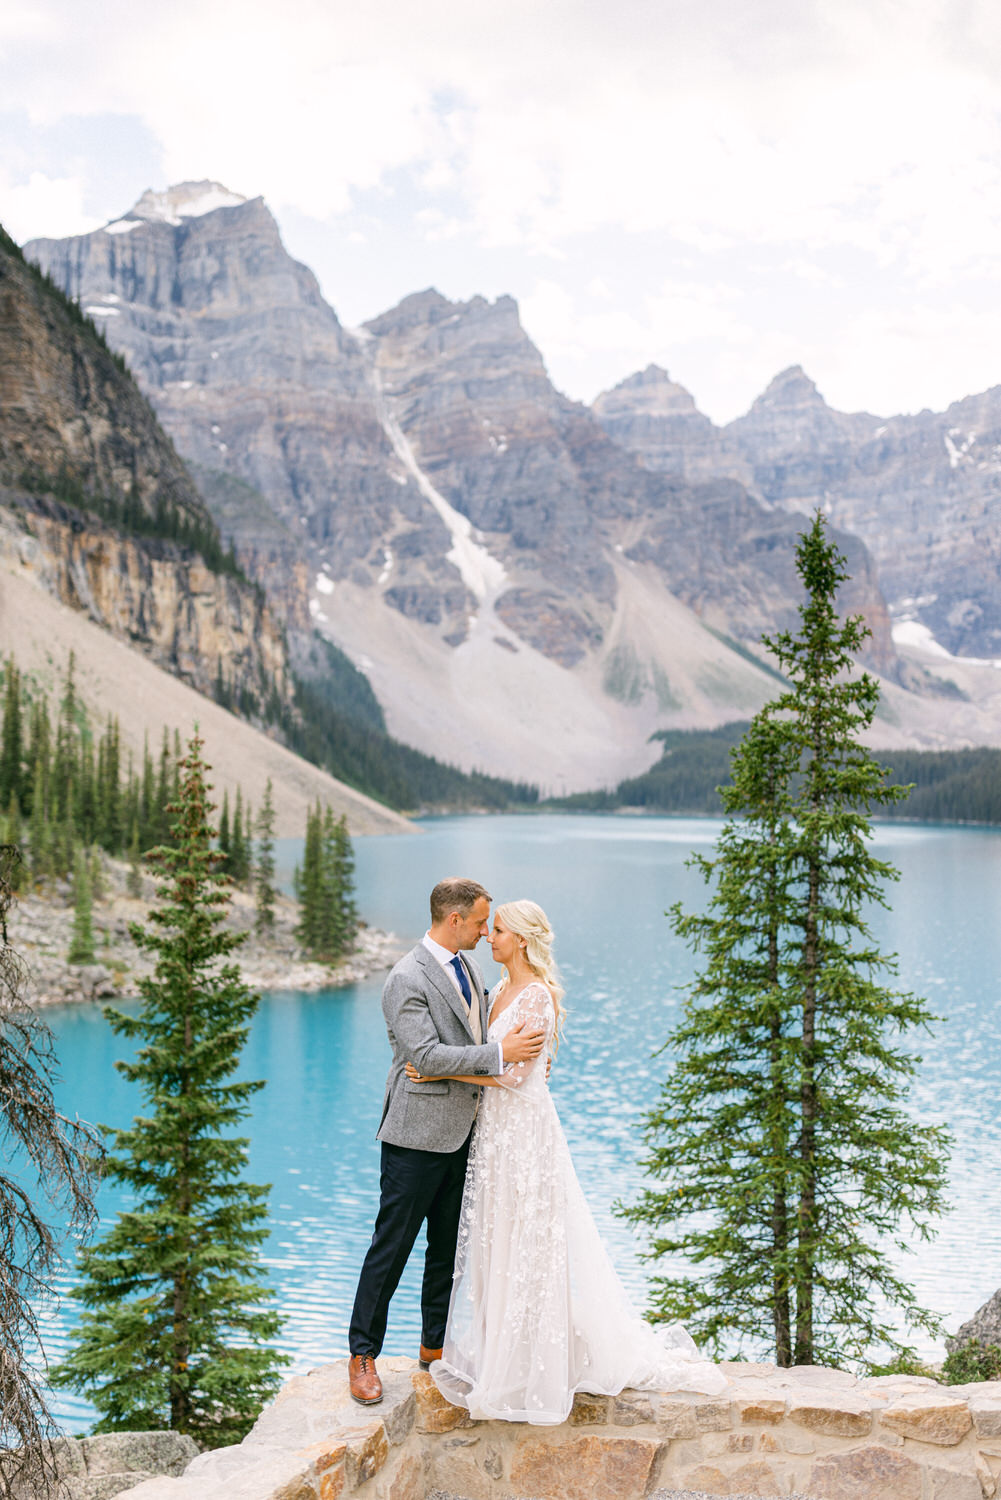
pixel 605 882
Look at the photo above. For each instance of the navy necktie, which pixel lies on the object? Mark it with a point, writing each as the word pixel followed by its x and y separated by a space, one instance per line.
pixel 460 974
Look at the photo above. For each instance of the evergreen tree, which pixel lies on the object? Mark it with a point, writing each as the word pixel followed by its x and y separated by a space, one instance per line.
pixel 82 941
pixel 324 886
pixel 786 1159
pixel 133 880
pixel 224 840
pixel 309 883
pixel 239 853
pixel 11 739
pixel 178 1318
pixel 264 867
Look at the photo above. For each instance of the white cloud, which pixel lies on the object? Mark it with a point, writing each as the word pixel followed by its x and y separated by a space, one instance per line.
pixel 43 206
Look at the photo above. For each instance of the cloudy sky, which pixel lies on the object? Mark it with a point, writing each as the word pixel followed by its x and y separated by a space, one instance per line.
pixel 725 187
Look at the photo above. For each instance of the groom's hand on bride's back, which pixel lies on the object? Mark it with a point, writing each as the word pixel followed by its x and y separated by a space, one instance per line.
pixel 522 1045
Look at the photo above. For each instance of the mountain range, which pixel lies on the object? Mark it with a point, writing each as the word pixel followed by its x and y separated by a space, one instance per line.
pixel 533 586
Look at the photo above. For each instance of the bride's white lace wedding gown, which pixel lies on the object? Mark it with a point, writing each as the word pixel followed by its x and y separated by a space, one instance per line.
pixel 537 1310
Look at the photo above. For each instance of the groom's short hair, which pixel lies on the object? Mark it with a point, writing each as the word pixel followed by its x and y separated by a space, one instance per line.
pixel 456 894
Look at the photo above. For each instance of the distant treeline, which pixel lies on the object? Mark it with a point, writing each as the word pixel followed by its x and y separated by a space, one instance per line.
pixel 950 786
pixel 64 787
pixel 338 724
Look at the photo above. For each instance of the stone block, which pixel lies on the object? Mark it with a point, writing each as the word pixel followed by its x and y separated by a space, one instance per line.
pixel 457 1473
pixel 632 1410
pixel 834 1415
pixel 739 1442
pixel 676 1419
pixel 986 1416
pixel 408 1481
pixel 106 1486
pixel 602 1468
pixel 147 1452
pixel 954 1484
pixel 820 1375
pixel 331 1485
pixel 434 1413
pixel 869 1473
pixel 761 1411
pixel 299 1488
pixel 588 1411
pixel 757 1478
pixel 929 1418
pixel 713 1415
pixel 367 1451
pixel 986 1476
pixel 399 1419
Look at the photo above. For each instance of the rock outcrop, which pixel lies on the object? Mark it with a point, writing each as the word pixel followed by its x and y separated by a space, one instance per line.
pixel 923 492
pixel 97 506
pixel 816 1431
pixel 97 1468
pixel 984 1326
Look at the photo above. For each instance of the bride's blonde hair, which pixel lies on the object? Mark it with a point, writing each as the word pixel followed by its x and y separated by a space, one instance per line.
pixel 527 920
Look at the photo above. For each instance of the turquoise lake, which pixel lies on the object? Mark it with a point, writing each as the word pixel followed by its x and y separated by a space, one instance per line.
pixel 605 882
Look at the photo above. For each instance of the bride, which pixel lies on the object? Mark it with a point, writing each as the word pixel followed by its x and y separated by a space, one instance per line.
pixel 537 1311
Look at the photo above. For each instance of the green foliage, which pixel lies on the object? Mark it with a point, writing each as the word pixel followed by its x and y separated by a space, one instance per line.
pixel 177 1324
pixel 786 1157
pixel 72 789
pixel 324 886
pixel 82 940
pixel 383 768
pixel 129 514
pixel 947 786
pixel 264 864
pixel 972 1361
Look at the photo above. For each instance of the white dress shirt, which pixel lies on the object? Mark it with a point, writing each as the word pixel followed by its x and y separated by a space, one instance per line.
pixel 445 957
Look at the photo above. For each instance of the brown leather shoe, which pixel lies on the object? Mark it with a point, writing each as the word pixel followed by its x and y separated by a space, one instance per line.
pixel 363 1379
pixel 427 1355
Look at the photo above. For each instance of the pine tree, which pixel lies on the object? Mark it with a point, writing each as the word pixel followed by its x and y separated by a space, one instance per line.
pixel 133 880
pixel 11 740
pixel 82 940
pixel 175 1335
pixel 264 866
pixel 786 1158
pixel 239 854
pixel 309 883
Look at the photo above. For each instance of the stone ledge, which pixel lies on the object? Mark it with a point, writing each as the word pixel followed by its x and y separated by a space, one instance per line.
pixel 773 1432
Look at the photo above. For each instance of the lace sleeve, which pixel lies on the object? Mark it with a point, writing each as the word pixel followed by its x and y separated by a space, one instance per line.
pixel 534 1007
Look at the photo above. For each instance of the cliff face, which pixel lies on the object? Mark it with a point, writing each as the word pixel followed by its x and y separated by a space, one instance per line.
pixel 74 424
pixel 922 492
pixel 195 623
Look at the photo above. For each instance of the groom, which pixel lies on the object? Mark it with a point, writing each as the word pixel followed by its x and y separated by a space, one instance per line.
pixel 435 1007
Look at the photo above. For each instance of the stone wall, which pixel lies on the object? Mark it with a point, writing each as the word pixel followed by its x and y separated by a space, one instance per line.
pixel 98 1468
pixel 772 1432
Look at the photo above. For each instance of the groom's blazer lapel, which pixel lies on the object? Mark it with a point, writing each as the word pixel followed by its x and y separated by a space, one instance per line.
pixel 437 976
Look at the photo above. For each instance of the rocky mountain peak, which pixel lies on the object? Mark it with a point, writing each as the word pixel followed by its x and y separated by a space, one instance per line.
pixel 790 388
pixel 185 200
pixel 651 390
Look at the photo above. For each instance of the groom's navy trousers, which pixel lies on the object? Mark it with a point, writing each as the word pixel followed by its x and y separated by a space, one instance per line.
pixel 415 1186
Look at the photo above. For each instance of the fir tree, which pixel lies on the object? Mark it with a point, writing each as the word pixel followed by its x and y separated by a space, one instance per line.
pixel 239 853
pixel 786 1158
pixel 175 1335
pixel 264 866
pixel 309 883
pixel 11 740
pixel 324 886
pixel 133 880
pixel 82 941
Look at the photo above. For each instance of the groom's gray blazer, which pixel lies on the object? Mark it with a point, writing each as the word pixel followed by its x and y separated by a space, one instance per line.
pixel 428 1025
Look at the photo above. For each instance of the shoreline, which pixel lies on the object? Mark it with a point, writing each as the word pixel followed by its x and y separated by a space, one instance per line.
pixel 40 930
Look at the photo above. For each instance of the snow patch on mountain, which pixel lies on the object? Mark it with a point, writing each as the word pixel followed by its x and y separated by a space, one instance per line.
pixel 481 572
pixel 185 200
